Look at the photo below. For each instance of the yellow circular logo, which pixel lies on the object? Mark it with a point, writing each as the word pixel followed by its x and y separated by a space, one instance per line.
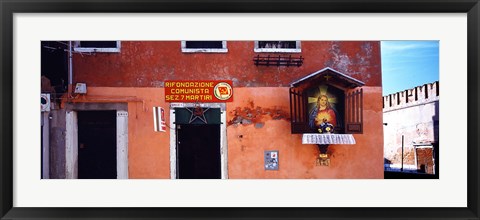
pixel 223 91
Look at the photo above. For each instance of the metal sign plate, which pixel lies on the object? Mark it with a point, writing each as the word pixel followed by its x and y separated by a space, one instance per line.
pixel 271 160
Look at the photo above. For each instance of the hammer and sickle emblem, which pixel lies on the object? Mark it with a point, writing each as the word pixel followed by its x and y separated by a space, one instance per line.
pixel 198 111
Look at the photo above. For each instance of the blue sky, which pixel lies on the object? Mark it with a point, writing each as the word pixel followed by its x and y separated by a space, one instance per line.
pixel 407 64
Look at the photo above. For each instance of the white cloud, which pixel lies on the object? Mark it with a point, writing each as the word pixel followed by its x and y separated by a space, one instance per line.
pixel 399 46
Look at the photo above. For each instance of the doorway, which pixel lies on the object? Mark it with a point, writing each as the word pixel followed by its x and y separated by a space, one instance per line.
pixel 97 145
pixel 207 128
pixel 198 151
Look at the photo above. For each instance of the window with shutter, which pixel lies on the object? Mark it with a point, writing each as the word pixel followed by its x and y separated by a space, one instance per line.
pixel 277 47
pixel 97 46
pixel 354 112
pixel 298 112
pixel 204 46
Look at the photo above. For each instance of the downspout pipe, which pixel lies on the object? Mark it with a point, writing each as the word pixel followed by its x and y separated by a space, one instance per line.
pixel 402 152
pixel 70 71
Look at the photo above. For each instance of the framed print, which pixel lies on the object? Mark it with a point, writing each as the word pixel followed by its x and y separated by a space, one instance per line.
pixel 158 99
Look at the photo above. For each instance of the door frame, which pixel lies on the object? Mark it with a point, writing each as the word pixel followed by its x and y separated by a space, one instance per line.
pixel 223 136
pixel 71 137
pixel 45 126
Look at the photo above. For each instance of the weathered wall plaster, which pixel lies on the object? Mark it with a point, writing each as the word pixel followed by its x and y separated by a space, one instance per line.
pixel 257 120
pixel 150 63
pixel 248 141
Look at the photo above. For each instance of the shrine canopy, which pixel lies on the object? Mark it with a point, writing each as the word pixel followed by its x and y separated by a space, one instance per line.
pixel 330 76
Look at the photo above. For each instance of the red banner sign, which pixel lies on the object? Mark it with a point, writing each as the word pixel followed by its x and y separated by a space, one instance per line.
pixel 199 91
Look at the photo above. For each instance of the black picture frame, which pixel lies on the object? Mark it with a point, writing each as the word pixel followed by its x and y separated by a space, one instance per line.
pixel 9 7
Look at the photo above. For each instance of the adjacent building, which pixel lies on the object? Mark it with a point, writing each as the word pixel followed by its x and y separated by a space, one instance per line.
pixel 411 129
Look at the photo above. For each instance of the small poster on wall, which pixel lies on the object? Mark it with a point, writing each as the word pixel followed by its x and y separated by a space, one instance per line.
pixel 271 160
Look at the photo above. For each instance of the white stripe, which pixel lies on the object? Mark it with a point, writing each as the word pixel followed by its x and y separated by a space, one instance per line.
pixel 155 119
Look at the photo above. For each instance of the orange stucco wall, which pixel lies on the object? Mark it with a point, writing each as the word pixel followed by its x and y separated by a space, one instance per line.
pixel 247 142
pixel 149 151
pixel 136 76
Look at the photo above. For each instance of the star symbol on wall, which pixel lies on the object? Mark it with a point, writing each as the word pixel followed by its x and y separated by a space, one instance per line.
pixel 197 112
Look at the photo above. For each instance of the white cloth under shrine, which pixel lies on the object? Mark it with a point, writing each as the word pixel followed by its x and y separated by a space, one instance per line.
pixel 328 139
